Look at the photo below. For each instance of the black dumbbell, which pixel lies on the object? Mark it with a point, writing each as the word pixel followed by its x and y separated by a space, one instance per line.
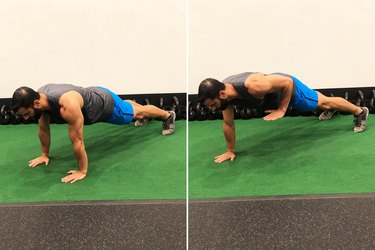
pixel 245 113
pixel 192 112
pixel 184 113
pixel 237 112
pixel 257 112
pixel 360 98
pixel 201 113
pixel 146 102
pixel 254 113
pixel 220 114
pixel 210 115
pixel 176 107
pixel 161 103
pixel 4 116
pixel 370 104
pixel 15 118
pixel 213 114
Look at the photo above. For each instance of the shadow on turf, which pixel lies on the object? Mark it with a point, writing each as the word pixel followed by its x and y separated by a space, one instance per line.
pixel 104 144
pixel 270 148
pixel 113 140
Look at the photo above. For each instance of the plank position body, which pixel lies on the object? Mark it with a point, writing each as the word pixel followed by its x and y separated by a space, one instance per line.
pixel 78 106
pixel 277 90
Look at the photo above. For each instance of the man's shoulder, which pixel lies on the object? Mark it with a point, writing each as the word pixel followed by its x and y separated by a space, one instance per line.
pixel 70 97
pixel 240 77
pixel 49 87
pixel 254 78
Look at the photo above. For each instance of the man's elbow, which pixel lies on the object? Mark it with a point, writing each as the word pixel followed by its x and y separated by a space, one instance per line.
pixel 77 144
pixel 288 83
pixel 43 132
pixel 228 125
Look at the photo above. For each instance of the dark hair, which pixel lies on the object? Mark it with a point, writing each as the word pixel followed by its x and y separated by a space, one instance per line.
pixel 24 97
pixel 209 89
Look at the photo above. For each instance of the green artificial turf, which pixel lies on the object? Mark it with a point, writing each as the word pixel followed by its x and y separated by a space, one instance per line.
pixel 289 156
pixel 125 163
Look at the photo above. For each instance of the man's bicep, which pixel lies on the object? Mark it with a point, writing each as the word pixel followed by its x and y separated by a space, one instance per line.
pixel 228 115
pixel 71 112
pixel 44 121
pixel 70 106
pixel 75 129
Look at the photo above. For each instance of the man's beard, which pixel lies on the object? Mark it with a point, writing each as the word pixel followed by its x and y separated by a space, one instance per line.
pixel 223 104
pixel 37 114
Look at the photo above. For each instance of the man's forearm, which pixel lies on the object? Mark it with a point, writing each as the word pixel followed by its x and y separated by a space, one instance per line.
pixel 230 136
pixel 81 156
pixel 45 140
pixel 286 94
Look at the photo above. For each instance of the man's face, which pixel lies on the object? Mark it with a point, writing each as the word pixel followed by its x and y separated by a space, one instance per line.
pixel 30 113
pixel 216 103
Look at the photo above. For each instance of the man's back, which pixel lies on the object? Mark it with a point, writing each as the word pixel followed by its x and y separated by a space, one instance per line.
pixel 97 107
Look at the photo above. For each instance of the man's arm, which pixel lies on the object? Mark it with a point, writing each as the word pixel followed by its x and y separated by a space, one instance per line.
pixel 230 135
pixel 70 110
pixel 259 85
pixel 45 140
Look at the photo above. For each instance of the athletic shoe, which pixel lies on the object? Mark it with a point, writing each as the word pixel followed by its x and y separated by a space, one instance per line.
pixel 141 122
pixel 168 125
pixel 327 114
pixel 360 121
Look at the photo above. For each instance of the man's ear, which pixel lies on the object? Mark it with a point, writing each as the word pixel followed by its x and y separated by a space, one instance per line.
pixel 37 104
pixel 223 94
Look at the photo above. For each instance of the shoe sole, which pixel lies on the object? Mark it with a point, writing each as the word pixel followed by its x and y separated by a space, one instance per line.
pixel 139 123
pixel 325 119
pixel 165 133
pixel 365 125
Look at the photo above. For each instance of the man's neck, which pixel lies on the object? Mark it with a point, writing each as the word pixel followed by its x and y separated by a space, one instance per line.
pixel 230 92
pixel 44 102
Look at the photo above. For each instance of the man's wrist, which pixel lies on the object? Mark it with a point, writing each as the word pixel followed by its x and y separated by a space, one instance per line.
pixel 283 109
pixel 83 171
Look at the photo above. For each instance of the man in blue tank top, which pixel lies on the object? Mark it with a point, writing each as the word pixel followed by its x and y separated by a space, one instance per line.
pixel 78 106
pixel 257 89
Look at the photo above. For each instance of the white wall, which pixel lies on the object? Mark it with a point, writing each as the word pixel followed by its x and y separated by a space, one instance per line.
pixel 138 46
pixel 325 43
pixel 129 46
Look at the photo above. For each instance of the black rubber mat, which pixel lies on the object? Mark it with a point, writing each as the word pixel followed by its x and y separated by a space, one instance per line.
pixel 94 225
pixel 299 222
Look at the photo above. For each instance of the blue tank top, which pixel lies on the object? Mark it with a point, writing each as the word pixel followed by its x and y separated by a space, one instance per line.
pixel 97 103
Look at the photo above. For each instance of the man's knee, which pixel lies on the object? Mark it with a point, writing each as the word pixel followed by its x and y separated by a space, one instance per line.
pixel 324 102
pixel 138 112
pixel 330 102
